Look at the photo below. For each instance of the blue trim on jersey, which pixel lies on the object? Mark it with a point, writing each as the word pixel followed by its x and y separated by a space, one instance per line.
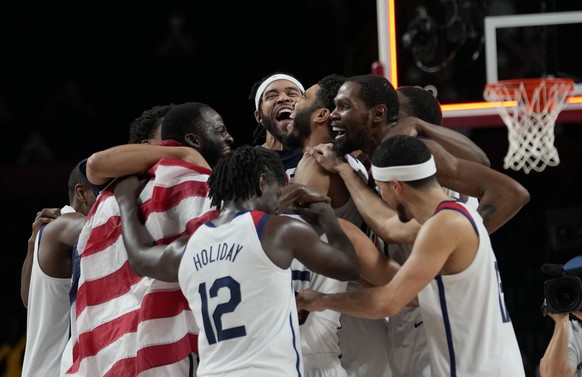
pixel 301 275
pixel 504 313
pixel 191 370
pixel 455 206
pixel 76 273
pixel 40 232
pixel 261 223
pixel 210 224
pixel 447 323
pixel 297 357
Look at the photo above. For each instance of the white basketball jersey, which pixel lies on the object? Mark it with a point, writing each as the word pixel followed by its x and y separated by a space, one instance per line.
pixel 468 327
pixel 243 303
pixel 47 323
pixel 319 340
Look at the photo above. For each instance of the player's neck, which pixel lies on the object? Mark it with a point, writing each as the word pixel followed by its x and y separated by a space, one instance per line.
pixel 425 203
pixel 272 143
pixel 317 138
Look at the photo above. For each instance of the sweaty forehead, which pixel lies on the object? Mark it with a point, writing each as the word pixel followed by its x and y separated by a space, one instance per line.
pixel 349 91
pixel 210 115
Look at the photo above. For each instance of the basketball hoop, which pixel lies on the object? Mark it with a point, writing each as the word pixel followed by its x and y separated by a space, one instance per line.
pixel 531 121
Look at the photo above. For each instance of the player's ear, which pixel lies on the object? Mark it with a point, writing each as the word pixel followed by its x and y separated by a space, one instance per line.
pixel 193 140
pixel 262 184
pixel 257 116
pixel 323 115
pixel 380 112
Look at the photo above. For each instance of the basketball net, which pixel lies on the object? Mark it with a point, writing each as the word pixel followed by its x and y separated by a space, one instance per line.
pixel 531 121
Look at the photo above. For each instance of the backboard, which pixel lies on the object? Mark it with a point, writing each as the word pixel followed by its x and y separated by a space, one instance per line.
pixel 457 46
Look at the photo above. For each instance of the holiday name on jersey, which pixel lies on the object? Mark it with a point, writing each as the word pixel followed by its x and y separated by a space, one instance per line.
pixel 222 252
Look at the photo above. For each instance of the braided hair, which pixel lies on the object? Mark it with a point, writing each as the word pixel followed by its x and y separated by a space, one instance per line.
pixel 237 175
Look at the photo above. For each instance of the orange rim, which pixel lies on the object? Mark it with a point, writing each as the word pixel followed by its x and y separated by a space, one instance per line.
pixel 506 90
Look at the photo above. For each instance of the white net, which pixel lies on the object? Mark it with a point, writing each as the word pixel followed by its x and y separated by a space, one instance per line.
pixel 531 122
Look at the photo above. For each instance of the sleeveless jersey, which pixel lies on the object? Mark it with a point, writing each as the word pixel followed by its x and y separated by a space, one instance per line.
pixel 349 212
pixel 124 324
pixel 243 303
pixel 468 327
pixel 47 318
pixel 407 345
pixel 408 353
pixel 319 341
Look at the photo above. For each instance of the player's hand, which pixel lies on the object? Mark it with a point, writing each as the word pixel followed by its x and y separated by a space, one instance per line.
pixel 326 157
pixel 406 126
pixel 129 187
pixel 44 216
pixel 317 213
pixel 296 195
pixel 309 300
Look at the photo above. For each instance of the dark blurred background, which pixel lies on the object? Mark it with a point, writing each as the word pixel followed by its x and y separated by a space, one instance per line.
pixel 72 79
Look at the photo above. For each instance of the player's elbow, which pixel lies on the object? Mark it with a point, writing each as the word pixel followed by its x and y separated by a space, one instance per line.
pixel 484 159
pixel 92 169
pixel 523 195
pixel 386 309
pixel 518 197
pixel 137 265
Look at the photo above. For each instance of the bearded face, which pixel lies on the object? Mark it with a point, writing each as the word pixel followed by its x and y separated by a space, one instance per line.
pixel 402 216
pixel 299 129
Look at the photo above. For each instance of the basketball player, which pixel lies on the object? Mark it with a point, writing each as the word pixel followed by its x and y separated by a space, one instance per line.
pixel 408 353
pixel 274 97
pixel 176 195
pixel 235 270
pixel 47 291
pixel 374 99
pixel 145 129
pixel 310 127
pixel 451 264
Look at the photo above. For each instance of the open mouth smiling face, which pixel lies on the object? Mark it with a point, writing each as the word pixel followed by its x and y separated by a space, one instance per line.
pixel 338 132
pixel 283 118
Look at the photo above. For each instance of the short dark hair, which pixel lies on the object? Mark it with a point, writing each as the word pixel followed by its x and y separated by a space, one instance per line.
pixel 144 126
pixel 402 150
pixel 78 176
pixel 423 104
pixel 376 90
pixel 237 175
pixel 183 119
pixel 328 87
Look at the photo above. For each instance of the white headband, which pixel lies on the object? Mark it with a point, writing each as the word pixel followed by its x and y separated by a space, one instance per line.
pixel 278 76
pixel 405 173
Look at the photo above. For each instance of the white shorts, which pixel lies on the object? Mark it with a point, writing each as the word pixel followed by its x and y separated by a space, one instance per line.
pixel 364 346
pixel 408 354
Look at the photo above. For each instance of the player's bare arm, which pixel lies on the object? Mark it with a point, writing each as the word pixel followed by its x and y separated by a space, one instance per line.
pixel 129 159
